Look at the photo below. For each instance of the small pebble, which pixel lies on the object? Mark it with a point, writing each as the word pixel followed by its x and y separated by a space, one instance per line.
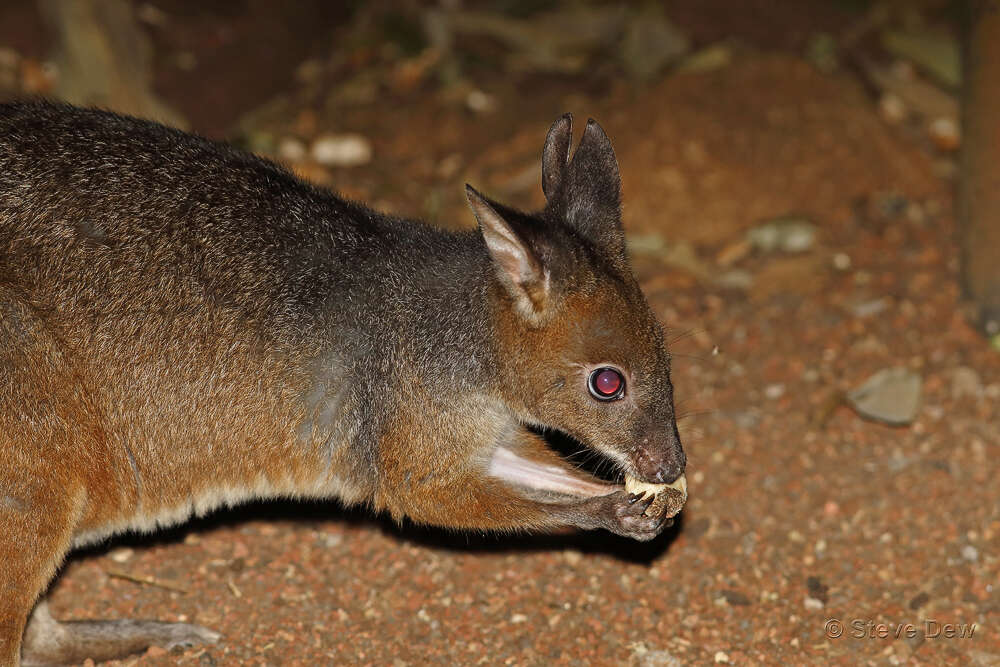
pixel 122 555
pixel 892 108
pixel 965 383
pixel 869 308
pixel 721 658
pixel 774 391
pixel 945 134
pixel 891 396
pixel 735 279
pixel 291 149
pixel 970 553
pixel 479 102
pixel 518 618
pixel 341 150
pixel 785 234
pixel 813 604
pixel 710 58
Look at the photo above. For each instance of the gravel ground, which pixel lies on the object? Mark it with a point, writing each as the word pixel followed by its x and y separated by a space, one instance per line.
pixel 812 536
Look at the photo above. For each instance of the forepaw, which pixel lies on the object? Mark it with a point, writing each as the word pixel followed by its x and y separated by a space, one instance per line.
pixel 626 514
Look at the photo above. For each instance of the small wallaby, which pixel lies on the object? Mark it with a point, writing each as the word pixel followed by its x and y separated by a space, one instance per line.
pixel 185 326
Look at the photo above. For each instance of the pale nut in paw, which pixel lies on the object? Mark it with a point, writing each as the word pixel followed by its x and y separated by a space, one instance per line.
pixel 669 498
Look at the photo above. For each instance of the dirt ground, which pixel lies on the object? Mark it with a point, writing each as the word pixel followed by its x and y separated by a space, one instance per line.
pixel 812 535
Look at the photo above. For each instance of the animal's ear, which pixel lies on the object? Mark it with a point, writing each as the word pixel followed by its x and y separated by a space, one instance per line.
pixel 590 201
pixel 518 265
pixel 555 156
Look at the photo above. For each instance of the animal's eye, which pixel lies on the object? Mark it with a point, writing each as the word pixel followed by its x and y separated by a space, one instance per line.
pixel 606 384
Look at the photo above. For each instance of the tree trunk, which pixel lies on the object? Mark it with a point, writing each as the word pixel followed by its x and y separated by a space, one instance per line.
pixel 104 58
pixel 979 188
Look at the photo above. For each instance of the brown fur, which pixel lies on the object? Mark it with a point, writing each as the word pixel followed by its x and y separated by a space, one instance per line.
pixel 183 326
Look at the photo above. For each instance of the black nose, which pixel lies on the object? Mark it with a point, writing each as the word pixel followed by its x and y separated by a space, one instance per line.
pixel 672 469
pixel 661 460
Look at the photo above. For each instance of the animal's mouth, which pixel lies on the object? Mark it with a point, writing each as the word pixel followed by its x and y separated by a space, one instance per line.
pixel 554 474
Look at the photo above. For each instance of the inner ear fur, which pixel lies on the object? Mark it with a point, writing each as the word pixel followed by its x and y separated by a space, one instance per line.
pixel 519 266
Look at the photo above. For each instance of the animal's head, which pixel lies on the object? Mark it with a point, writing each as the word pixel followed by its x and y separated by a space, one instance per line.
pixel 580 349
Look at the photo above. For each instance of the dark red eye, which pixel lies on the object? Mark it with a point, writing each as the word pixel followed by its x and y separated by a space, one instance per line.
pixel 606 384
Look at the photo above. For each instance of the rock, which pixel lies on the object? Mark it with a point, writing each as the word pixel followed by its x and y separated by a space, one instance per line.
pixel 121 555
pixel 478 101
pixel 892 108
pixel 734 598
pixel 10 66
pixel 891 396
pixel 821 51
pixel 707 59
pixel 292 150
pixel 937 53
pixel 645 657
pixel 869 308
pixel 774 391
pixel 965 383
pixel 341 150
pixel 721 658
pixel 651 42
pixel 818 590
pixel 813 604
pixel 970 553
pixel 945 134
pixel 736 279
pixel 784 234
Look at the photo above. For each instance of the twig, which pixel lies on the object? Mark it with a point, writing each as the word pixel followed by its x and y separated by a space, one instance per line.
pixel 148 581
pixel 232 587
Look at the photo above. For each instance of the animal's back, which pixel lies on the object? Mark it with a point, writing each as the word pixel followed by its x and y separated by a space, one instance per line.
pixel 175 281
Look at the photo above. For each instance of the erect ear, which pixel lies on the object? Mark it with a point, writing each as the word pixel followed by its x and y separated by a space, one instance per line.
pixel 555 156
pixel 590 201
pixel 518 266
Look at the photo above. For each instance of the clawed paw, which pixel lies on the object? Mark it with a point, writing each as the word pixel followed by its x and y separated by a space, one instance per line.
pixel 625 514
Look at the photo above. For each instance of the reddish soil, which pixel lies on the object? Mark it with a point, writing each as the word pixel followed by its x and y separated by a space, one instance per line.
pixel 800 511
